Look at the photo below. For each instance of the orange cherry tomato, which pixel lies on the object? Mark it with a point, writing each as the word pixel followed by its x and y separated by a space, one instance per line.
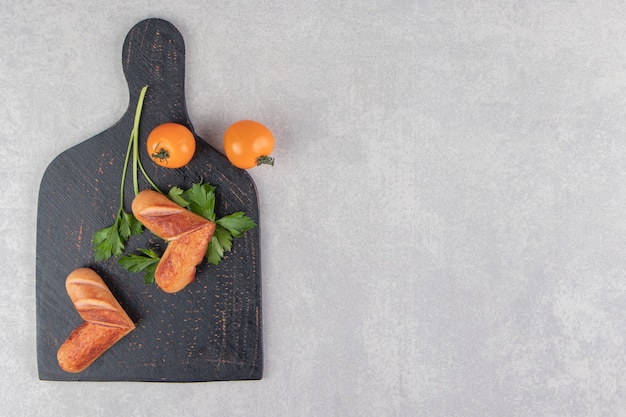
pixel 171 145
pixel 248 144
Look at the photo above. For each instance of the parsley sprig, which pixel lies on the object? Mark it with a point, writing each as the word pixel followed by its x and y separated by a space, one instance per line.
pixel 199 199
pixel 146 263
pixel 110 241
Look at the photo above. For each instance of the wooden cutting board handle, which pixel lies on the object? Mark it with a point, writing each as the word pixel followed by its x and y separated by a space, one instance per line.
pixel 154 55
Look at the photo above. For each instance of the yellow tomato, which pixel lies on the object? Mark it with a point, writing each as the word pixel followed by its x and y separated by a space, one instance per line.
pixel 248 144
pixel 171 145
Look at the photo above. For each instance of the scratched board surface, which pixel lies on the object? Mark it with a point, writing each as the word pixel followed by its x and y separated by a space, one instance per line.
pixel 211 330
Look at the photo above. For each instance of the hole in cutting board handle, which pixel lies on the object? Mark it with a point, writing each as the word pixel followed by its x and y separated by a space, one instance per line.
pixel 154 55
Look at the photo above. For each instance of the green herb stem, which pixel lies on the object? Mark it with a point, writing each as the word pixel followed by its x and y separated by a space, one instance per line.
pixel 143 171
pixel 110 241
pixel 134 137
pixel 130 144
pixel 135 146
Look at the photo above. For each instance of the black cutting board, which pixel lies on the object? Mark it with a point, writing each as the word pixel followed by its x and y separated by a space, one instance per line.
pixel 211 330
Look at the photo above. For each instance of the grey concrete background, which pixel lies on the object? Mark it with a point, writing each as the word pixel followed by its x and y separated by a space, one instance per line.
pixel 444 229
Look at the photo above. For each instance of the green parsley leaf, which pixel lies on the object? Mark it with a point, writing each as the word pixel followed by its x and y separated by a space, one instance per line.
pixel 107 242
pixel 221 242
pixel 236 223
pixel 214 252
pixel 129 226
pixel 176 195
pixel 225 238
pixel 137 263
pixel 201 198
pixel 110 241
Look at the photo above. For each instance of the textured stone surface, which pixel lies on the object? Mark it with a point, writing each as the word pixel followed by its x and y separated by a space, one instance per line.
pixel 443 228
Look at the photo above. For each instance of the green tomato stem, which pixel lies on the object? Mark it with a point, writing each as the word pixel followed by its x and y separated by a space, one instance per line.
pixel 265 160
